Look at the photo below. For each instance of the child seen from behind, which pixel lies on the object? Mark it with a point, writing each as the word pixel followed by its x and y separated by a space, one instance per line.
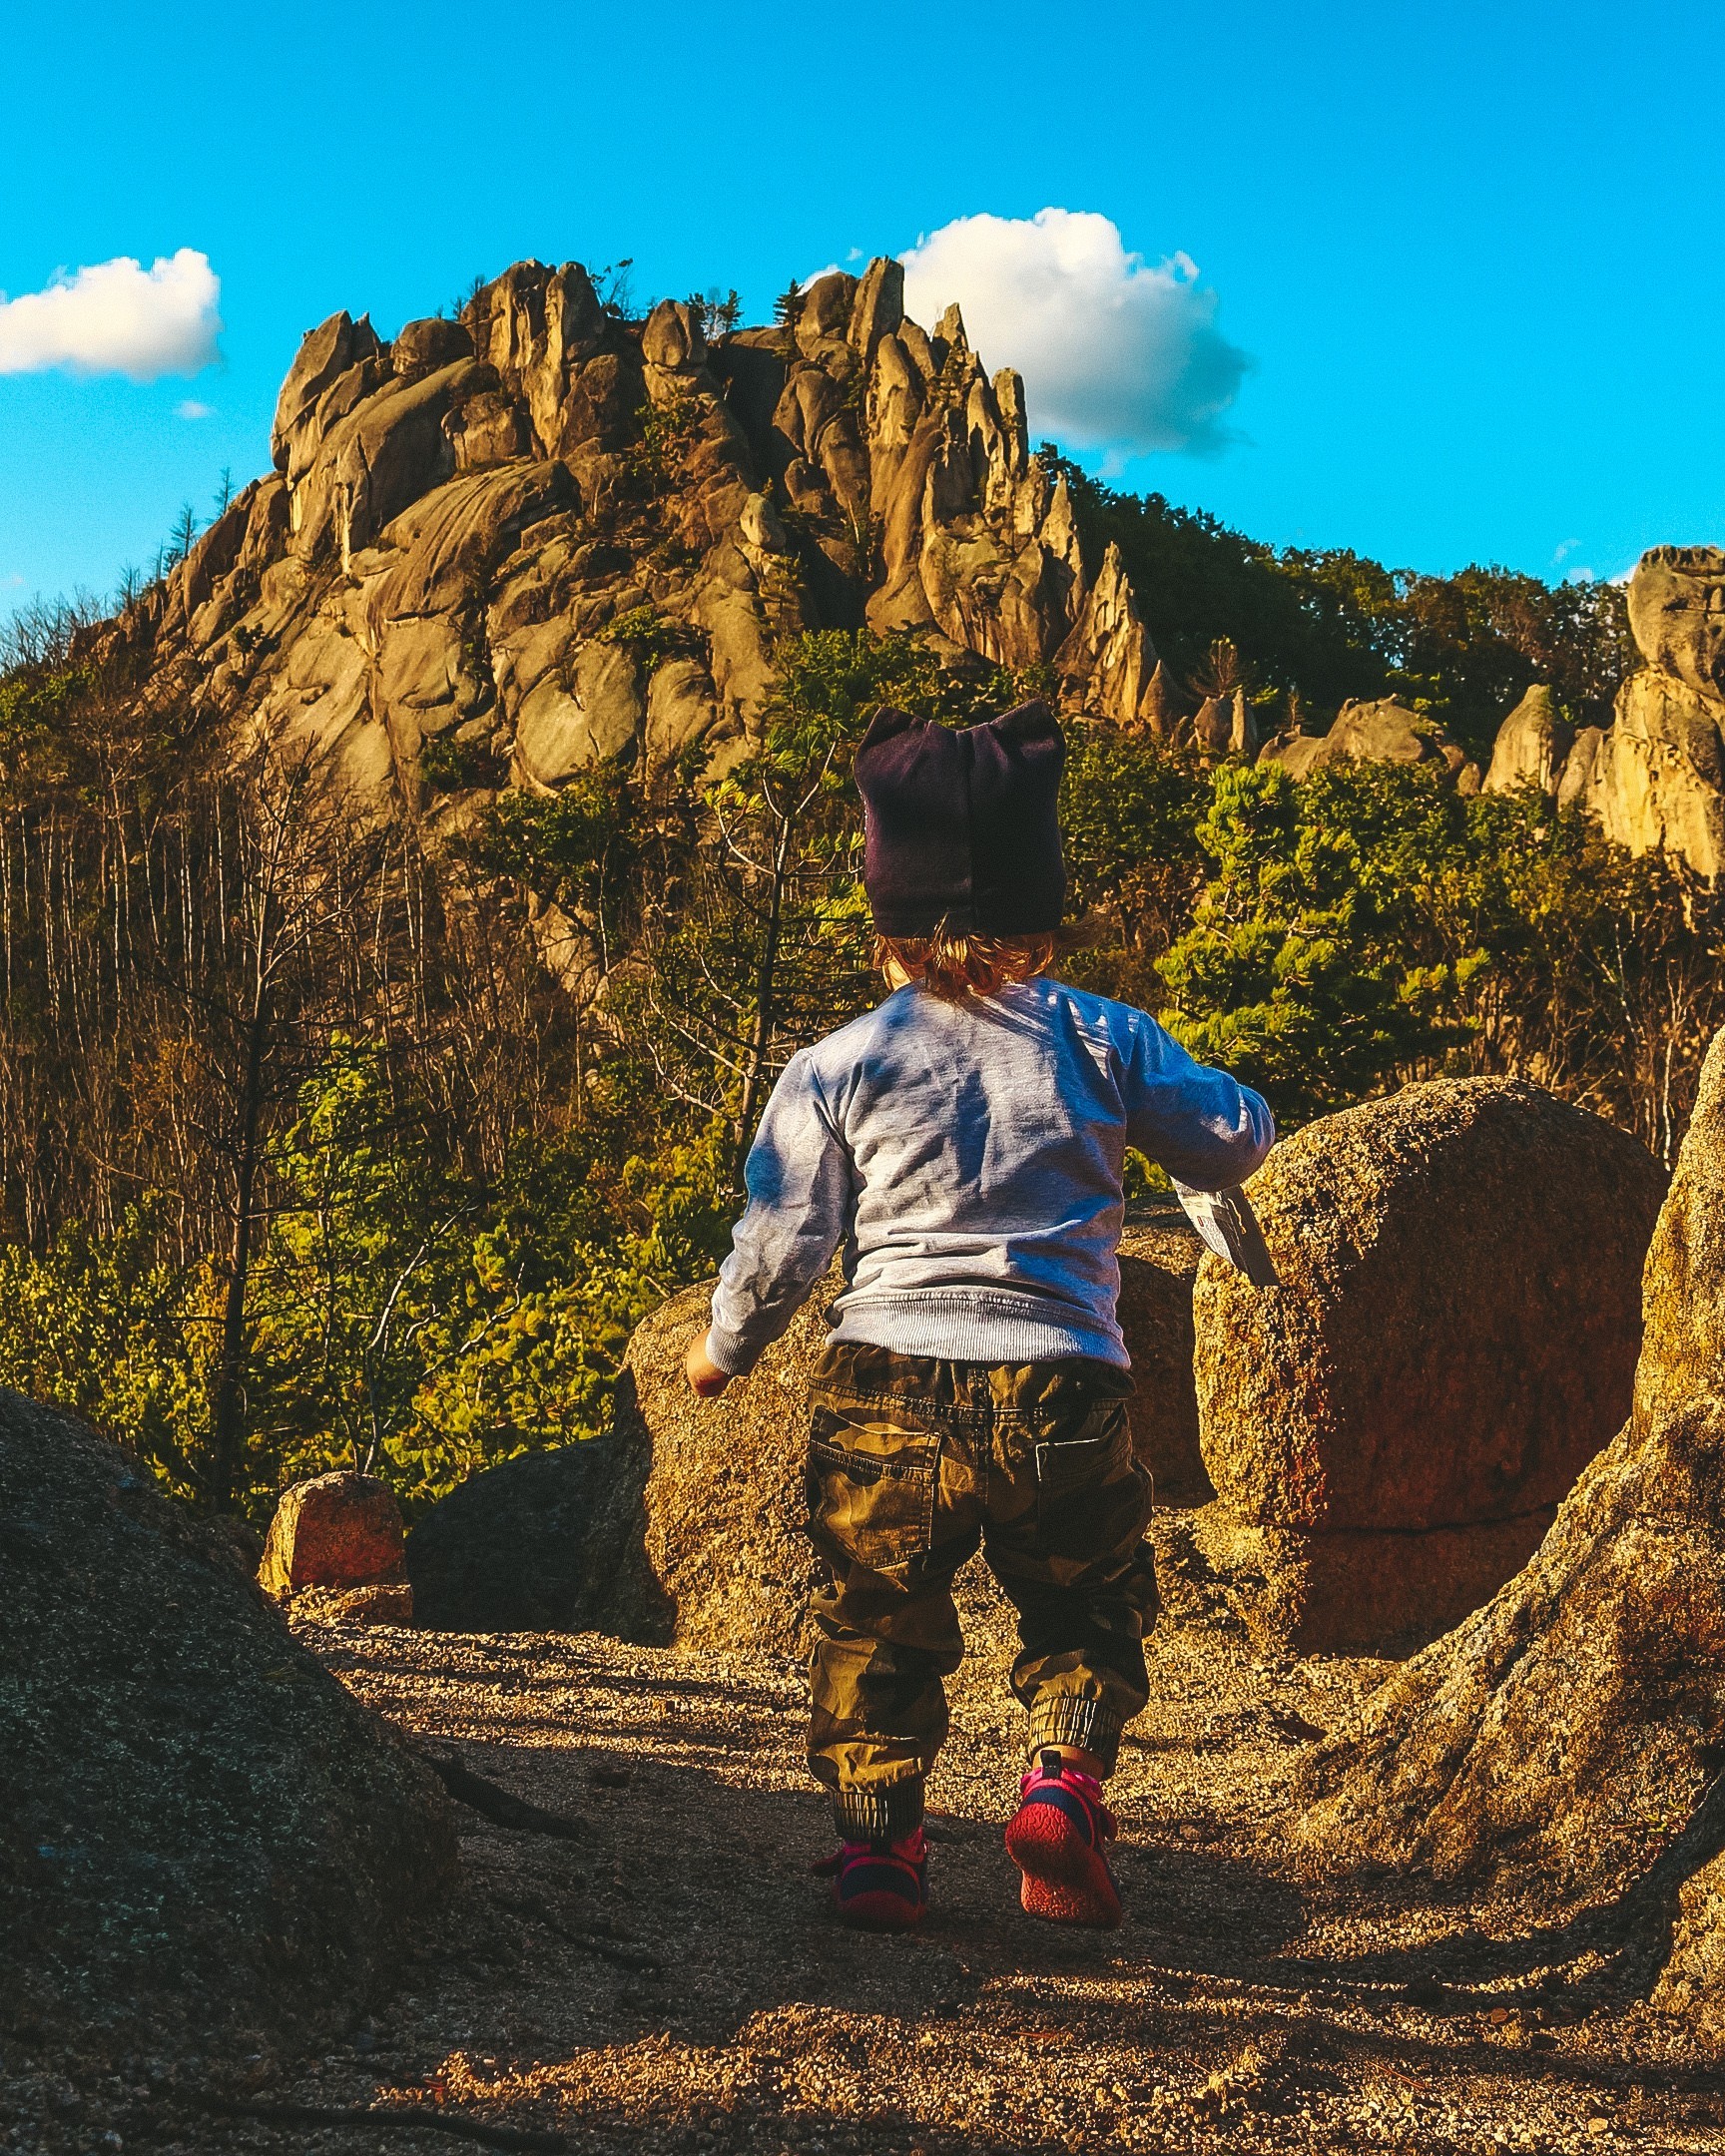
pixel 962 1145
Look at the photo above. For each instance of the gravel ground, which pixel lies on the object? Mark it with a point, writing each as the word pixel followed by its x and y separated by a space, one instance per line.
pixel 673 1979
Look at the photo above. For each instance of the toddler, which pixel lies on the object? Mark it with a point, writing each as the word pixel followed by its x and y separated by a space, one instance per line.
pixel 962 1145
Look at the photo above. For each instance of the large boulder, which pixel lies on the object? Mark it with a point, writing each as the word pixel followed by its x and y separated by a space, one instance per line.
pixel 512 1549
pixel 1564 1740
pixel 1376 732
pixel 1531 744
pixel 1677 615
pixel 1455 1338
pixel 209 1844
pixel 723 1489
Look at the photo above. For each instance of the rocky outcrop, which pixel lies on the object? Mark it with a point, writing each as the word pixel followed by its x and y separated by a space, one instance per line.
pixel 1378 731
pixel 1566 1738
pixel 1531 746
pixel 1677 615
pixel 1654 777
pixel 422 593
pixel 1454 1339
pixel 1109 654
pixel 421 590
pixel 211 1844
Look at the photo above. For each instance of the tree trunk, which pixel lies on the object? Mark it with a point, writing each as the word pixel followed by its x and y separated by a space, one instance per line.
pixel 228 1402
pixel 766 988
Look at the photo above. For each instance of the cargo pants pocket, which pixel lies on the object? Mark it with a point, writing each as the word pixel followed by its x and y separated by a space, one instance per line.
pixel 870 1489
pixel 1076 1457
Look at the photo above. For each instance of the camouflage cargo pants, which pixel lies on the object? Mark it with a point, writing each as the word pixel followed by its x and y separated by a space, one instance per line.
pixel 914 1462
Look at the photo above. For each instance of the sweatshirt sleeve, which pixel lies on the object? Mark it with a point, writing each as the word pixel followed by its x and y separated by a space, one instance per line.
pixel 801 1203
pixel 1205 1128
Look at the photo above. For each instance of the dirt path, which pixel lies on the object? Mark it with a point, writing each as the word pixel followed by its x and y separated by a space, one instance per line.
pixel 674 1982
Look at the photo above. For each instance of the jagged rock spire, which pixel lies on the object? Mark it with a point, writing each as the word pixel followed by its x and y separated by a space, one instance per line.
pixel 1161 708
pixel 1106 662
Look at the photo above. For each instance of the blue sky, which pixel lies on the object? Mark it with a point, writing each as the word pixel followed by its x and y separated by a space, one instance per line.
pixel 1469 252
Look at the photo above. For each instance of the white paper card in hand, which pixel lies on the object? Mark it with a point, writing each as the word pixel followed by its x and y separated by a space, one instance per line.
pixel 1227 1224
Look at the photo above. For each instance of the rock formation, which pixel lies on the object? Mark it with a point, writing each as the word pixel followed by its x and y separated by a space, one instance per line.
pixel 1454 1339
pixel 429 588
pixel 1531 746
pixel 211 1844
pixel 686 1523
pixel 1567 1738
pixel 1655 777
pixel 1380 732
pixel 435 586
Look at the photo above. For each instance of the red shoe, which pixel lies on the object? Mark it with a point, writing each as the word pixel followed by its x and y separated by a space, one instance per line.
pixel 1056 1840
pixel 879 1885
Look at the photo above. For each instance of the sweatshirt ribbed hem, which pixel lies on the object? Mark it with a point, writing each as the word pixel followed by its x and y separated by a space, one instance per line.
pixel 965 1324
pixel 727 1352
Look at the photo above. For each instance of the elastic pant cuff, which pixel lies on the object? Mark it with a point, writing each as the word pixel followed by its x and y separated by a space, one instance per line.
pixel 1085 1725
pixel 880 1814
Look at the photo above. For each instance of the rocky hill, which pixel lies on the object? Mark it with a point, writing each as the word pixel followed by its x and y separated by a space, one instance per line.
pixel 501 547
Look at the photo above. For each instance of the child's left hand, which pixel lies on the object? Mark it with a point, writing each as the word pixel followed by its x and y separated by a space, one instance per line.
pixel 706 1379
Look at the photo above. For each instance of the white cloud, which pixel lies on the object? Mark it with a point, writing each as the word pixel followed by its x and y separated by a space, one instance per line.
pixel 190 408
pixel 116 318
pixel 1118 354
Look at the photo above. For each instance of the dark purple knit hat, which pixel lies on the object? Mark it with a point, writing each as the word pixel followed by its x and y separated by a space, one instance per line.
pixel 963 828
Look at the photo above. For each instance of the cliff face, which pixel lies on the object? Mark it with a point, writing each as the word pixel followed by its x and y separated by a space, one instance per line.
pixel 1654 777
pixel 499 549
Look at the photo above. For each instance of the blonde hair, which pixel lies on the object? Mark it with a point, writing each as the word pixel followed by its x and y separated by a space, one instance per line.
pixel 953 965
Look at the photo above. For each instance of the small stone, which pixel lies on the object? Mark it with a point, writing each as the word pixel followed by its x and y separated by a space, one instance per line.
pixel 337 1530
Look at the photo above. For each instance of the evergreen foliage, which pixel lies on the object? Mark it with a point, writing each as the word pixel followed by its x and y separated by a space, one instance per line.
pixel 1327 626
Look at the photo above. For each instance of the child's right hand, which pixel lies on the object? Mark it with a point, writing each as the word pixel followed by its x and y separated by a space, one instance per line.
pixel 706 1380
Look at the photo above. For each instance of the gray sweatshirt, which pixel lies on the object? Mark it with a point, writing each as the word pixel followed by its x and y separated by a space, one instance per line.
pixel 968 1163
pixel 967 1157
